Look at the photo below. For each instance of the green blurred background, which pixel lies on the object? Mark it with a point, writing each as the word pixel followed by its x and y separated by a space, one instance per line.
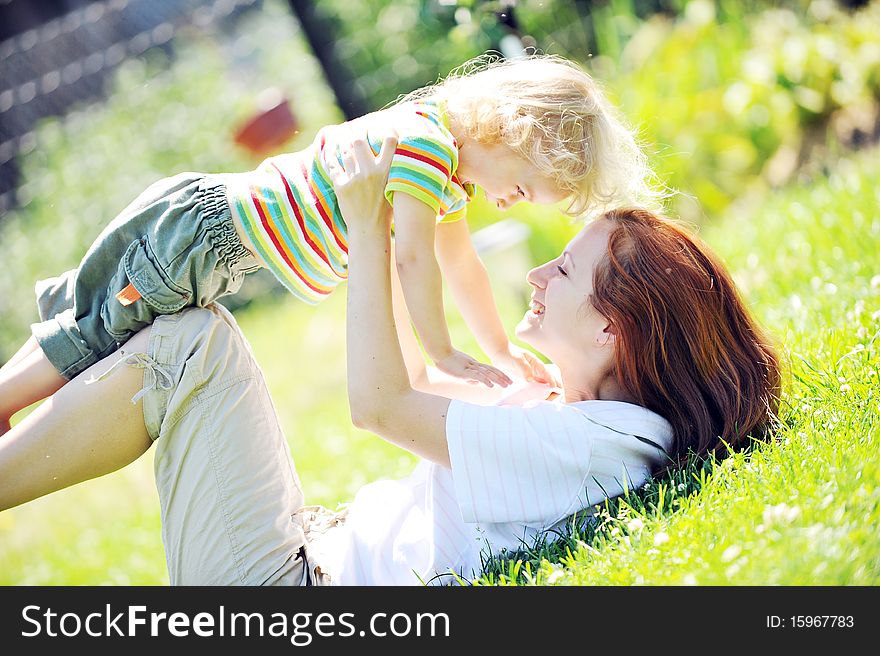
pixel 732 101
pixel 728 98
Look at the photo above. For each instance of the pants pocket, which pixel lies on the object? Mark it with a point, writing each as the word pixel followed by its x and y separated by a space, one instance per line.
pixel 139 291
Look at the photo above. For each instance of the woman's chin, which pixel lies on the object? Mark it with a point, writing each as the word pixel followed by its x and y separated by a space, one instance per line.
pixel 527 327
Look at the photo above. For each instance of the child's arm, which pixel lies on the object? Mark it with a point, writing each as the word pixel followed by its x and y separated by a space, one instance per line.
pixel 430 379
pixel 470 287
pixel 414 231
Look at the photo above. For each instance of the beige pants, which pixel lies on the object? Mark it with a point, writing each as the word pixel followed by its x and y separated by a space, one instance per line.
pixel 231 502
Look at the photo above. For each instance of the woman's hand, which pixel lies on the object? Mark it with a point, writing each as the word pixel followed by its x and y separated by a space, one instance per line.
pixel 359 183
pixel 380 395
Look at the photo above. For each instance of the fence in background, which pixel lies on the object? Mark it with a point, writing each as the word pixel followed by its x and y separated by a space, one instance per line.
pixel 56 55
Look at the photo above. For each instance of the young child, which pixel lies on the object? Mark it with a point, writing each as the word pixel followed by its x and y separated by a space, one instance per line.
pixel 536 129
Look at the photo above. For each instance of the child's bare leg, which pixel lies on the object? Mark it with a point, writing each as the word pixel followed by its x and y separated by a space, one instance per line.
pixel 81 432
pixel 28 347
pixel 26 379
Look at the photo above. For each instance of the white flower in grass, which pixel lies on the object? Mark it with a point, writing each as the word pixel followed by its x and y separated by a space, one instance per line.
pixel 730 553
pixel 875 282
pixel 635 524
pixel 689 579
pixel 780 513
pixel 661 538
pixel 555 574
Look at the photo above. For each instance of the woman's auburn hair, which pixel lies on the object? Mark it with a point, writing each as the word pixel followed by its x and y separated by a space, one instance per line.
pixel 686 346
pixel 552 113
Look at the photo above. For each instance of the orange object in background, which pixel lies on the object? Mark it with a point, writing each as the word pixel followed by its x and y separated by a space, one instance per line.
pixel 272 125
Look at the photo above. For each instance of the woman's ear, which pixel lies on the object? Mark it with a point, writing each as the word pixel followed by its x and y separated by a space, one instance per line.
pixel 606 336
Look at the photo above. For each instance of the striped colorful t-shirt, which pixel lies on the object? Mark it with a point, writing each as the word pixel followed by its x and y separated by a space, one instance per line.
pixel 289 210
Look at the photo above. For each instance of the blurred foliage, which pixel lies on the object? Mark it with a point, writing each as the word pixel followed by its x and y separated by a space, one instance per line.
pixel 163 116
pixel 724 94
pixel 727 97
pixel 411 43
pixel 730 105
pixel 803 509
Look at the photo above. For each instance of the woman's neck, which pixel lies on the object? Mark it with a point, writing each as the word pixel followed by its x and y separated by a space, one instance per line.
pixel 605 389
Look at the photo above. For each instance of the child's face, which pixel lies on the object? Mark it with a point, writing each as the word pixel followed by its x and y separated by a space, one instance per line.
pixel 504 176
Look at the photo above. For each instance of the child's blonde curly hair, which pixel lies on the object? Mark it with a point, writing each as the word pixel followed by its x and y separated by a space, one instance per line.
pixel 552 113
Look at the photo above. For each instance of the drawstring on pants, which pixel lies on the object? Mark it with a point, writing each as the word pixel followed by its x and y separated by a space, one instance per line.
pixel 306 579
pixel 161 378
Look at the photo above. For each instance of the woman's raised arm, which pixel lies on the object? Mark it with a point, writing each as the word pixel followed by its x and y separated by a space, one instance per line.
pixel 381 398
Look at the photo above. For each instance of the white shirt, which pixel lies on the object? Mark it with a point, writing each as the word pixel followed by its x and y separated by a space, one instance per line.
pixel 517 471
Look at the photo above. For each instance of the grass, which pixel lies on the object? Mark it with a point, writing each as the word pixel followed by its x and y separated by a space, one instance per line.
pixel 802 510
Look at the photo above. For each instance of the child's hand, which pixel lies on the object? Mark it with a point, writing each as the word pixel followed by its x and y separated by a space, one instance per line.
pixel 461 365
pixel 525 363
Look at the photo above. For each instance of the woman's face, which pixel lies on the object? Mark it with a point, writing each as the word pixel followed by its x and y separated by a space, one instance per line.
pixel 561 322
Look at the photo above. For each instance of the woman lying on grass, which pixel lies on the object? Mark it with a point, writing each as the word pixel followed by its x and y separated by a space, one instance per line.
pixel 656 356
